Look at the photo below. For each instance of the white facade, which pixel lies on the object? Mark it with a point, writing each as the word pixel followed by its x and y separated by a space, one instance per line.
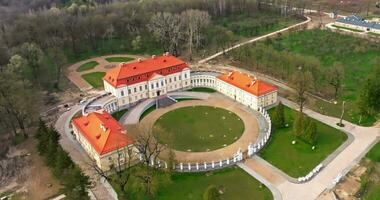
pixel 238 94
pixel 104 161
pixel 157 85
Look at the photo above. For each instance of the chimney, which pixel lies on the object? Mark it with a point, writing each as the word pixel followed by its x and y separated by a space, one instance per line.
pixel 167 53
pixel 153 56
pixel 139 60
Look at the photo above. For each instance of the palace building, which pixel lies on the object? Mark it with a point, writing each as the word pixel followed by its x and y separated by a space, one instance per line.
pixel 104 139
pixel 358 23
pixel 131 82
pixel 246 89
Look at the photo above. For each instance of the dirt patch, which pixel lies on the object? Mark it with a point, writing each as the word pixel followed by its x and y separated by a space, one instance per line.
pixel 24 173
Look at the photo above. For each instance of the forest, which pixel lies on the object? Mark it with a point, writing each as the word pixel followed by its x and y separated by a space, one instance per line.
pixel 340 65
pixel 39 41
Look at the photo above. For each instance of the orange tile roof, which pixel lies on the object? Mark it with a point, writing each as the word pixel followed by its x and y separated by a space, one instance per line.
pixel 247 83
pixel 103 132
pixel 135 72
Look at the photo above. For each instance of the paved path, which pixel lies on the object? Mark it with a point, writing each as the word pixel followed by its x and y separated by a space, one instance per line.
pixel 78 155
pixel 363 139
pixel 250 134
pixel 133 116
pixel 275 192
pixel 254 40
pixel 103 66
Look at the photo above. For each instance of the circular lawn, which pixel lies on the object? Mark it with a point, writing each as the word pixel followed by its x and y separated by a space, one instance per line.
pixel 198 128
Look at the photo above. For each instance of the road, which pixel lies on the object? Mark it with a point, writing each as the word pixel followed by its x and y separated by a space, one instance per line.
pixel 339 165
pixel 253 40
pixel 78 155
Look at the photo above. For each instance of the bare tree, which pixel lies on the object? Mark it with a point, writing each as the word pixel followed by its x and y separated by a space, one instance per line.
pixel 167 28
pixel 302 82
pixel 193 22
pixel 149 149
pixel 335 77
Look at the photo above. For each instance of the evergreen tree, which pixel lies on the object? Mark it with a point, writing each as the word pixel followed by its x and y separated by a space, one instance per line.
pixel 278 118
pixel 76 184
pixel 63 162
pixel 297 125
pixel 310 133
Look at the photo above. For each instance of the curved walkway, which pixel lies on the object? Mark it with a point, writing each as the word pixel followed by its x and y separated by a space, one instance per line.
pixel 250 134
pixel 103 66
pixel 255 40
pixel 340 162
pixel 133 116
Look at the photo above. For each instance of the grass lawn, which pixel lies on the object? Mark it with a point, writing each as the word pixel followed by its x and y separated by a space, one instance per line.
pixel 350 29
pixel 94 79
pixel 199 128
pixel 147 111
pixel 374 34
pixel 322 48
pixel 119 59
pixel 87 66
pixel 202 89
pixel 235 183
pixel 374 153
pixel 299 159
pixel 117 115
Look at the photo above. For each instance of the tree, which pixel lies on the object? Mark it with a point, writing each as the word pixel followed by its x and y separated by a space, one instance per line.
pixel 335 75
pixel 193 22
pixel 211 193
pixel 311 132
pixel 302 82
pixel 298 124
pixel 278 118
pixel 167 28
pixel 33 56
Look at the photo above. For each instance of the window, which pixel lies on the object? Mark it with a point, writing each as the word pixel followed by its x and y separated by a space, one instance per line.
pixel 146 87
pixel 134 89
pixel 152 85
pixel 122 93
pixel 129 91
pixel 157 85
pixel 162 83
pixel 175 78
pixel 140 88
pixel 185 75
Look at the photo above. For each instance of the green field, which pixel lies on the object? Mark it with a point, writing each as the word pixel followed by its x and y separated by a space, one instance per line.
pixel 199 128
pixel 374 153
pixel 202 89
pixel 119 59
pixel 318 51
pixel 299 159
pixel 87 66
pixel 94 79
pixel 350 29
pixel 235 183
pixel 117 115
pixel 147 111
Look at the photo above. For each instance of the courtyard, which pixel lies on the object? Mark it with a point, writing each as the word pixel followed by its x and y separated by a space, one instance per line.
pixel 199 128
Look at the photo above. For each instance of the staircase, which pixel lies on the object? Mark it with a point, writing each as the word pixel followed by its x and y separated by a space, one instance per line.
pixel 164 101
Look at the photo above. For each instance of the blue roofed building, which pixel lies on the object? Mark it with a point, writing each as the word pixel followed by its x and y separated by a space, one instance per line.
pixel 358 23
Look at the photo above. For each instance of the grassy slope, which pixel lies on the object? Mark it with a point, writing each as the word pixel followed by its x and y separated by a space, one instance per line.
pixel 300 158
pixel 202 89
pixel 119 59
pixel 199 128
pixel 87 66
pixel 117 115
pixel 94 79
pixel 237 183
pixel 354 53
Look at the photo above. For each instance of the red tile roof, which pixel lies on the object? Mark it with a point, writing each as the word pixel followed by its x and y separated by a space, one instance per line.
pixel 247 83
pixel 142 70
pixel 103 132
